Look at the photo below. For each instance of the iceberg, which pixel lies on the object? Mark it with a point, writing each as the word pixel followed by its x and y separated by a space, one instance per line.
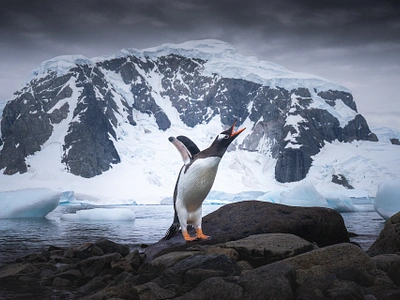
pixel 28 203
pixel 303 194
pixel 387 199
pixel 101 214
pixel 339 202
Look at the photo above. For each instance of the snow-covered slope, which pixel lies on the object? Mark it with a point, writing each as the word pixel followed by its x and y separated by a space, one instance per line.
pixel 107 120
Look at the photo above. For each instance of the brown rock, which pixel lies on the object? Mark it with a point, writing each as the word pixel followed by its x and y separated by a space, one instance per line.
pixel 322 226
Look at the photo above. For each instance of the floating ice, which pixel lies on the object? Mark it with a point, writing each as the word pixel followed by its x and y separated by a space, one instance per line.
pixel 339 201
pixel 28 203
pixel 387 199
pixel 303 194
pixel 67 197
pixel 101 214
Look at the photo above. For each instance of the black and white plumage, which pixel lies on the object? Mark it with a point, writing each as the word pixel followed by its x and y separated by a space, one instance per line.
pixel 195 180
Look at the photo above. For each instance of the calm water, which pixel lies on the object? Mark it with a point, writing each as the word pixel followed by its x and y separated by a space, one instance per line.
pixel 21 236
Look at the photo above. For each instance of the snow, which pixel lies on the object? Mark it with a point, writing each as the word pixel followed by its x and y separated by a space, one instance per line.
pixel 101 214
pixel 60 65
pixel 28 203
pixel 387 200
pixel 223 59
pixel 150 164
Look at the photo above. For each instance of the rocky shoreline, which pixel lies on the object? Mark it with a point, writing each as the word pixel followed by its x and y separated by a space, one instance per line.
pixel 257 250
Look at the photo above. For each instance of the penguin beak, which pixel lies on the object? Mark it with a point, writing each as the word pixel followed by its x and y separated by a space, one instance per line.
pixel 233 132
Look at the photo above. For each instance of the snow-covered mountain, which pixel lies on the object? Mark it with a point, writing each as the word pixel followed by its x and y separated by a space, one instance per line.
pixel 100 126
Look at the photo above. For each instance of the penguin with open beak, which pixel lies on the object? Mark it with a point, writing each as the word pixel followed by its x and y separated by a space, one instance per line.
pixel 195 180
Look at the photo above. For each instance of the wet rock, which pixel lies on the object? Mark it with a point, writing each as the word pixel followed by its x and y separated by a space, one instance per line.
pixel 388 241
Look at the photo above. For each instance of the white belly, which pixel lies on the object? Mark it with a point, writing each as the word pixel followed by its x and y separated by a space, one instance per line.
pixel 195 183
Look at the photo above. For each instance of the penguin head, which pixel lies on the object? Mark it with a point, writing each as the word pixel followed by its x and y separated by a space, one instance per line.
pixel 225 138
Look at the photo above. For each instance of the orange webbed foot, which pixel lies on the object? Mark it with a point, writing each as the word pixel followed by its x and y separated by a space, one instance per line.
pixel 200 234
pixel 187 236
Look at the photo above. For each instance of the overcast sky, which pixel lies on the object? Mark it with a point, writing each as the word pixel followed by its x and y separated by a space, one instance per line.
pixel 355 43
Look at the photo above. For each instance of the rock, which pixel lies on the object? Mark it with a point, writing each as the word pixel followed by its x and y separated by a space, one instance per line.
pixel 151 290
pixel 61 282
pixel 214 288
pixel 273 281
pixel 122 287
pixel 214 264
pixel 390 264
pixel 388 241
pixel 395 141
pixel 131 262
pixel 162 262
pixel 229 252
pixel 110 247
pixel 341 180
pixel 322 226
pixel 261 249
pixel 92 286
pixel 70 274
pixel 17 269
pixel 93 266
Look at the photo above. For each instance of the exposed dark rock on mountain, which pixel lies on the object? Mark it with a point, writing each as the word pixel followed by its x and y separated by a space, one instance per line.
pixel 395 141
pixel 92 98
pixel 341 179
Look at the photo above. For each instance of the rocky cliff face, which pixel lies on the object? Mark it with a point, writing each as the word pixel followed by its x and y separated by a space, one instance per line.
pixel 291 118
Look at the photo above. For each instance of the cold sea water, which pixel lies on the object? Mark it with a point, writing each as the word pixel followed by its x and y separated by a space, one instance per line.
pixel 19 237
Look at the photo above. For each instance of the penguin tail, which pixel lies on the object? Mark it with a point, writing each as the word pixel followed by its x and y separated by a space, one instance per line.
pixel 173 229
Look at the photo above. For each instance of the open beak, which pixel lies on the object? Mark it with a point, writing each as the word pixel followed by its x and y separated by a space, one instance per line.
pixel 235 133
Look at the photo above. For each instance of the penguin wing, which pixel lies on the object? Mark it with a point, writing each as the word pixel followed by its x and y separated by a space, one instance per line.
pixel 185 153
pixel 189 144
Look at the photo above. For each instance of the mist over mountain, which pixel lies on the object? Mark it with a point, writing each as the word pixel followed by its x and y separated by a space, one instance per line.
pixel 90 111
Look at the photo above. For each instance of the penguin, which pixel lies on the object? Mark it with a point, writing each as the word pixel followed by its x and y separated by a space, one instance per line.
pixel 195 180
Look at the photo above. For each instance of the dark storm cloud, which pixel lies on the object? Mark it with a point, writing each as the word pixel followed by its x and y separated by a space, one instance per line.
pixel 355 43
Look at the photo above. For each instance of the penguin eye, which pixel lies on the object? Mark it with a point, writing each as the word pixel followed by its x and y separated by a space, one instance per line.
pixel 223 136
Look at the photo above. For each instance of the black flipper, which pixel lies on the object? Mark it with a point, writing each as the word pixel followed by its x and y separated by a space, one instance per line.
pixel 189 144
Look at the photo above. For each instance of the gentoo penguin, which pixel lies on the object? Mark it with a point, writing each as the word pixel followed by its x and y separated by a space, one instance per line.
pixel 195 180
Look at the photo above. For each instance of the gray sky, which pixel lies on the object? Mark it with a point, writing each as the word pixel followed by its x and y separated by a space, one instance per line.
pixel 355 43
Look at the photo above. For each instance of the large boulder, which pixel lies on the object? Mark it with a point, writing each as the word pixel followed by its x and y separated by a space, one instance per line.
pixel 260 249
pixel 388 241
pixel 322 226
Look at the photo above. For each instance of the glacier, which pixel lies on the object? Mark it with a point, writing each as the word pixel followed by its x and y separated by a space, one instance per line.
pixel 28 203
pixel 387 199
pixel 100 214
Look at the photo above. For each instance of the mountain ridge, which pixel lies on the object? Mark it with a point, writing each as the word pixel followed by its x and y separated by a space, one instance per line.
pixel 289 120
